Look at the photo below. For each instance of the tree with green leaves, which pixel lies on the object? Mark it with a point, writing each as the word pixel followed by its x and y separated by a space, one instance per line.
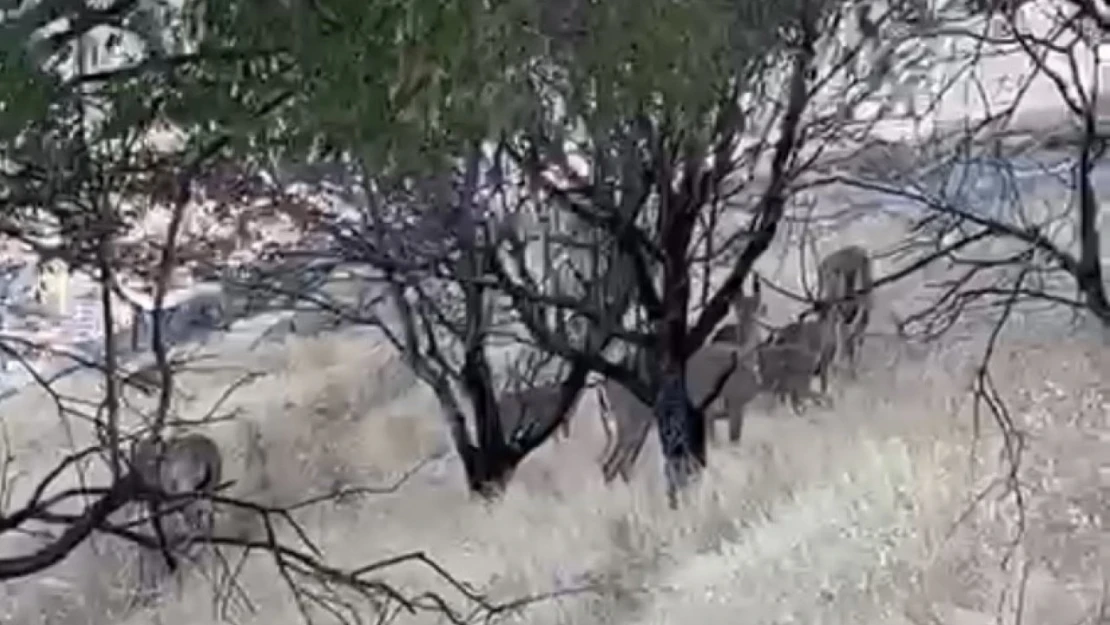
pixel 685 118
pixel 86 92
pixel 657 127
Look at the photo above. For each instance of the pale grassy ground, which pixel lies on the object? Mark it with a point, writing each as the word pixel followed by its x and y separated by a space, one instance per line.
pixel 847 515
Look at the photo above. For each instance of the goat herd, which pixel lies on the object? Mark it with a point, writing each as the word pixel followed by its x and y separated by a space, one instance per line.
pixel 784 365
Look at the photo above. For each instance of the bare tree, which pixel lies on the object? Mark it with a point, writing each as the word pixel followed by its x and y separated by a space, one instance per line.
pixel 435 270
pixel 1005 203
pixel 990 239
pixel 689 202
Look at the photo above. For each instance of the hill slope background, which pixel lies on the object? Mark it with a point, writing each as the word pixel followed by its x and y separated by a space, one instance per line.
pixel 886 508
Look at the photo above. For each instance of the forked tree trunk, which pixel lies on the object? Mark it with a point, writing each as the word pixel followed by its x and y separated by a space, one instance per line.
pixel 681 426
pixel 488 471
pixel 681 436
pixel 491 463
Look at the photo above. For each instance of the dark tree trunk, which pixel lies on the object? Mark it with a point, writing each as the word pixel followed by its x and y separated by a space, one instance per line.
pixel 681 436
pixel 1089 271
pixel 681 428
pixel 491 463
pixel 488 468
pixel 488 471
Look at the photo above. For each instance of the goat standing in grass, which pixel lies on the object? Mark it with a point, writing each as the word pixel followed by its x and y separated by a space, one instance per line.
pixel 533 407
pixel 169 471
pixel 793 356
pixel 845 280
pixel 627 420
pixel 808 347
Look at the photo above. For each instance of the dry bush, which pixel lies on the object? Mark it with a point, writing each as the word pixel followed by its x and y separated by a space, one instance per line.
pixel 1045 555
pixel 322 414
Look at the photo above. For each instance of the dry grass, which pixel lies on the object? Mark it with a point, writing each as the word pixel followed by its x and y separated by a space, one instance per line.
pixel 857 514
pixel 842 516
